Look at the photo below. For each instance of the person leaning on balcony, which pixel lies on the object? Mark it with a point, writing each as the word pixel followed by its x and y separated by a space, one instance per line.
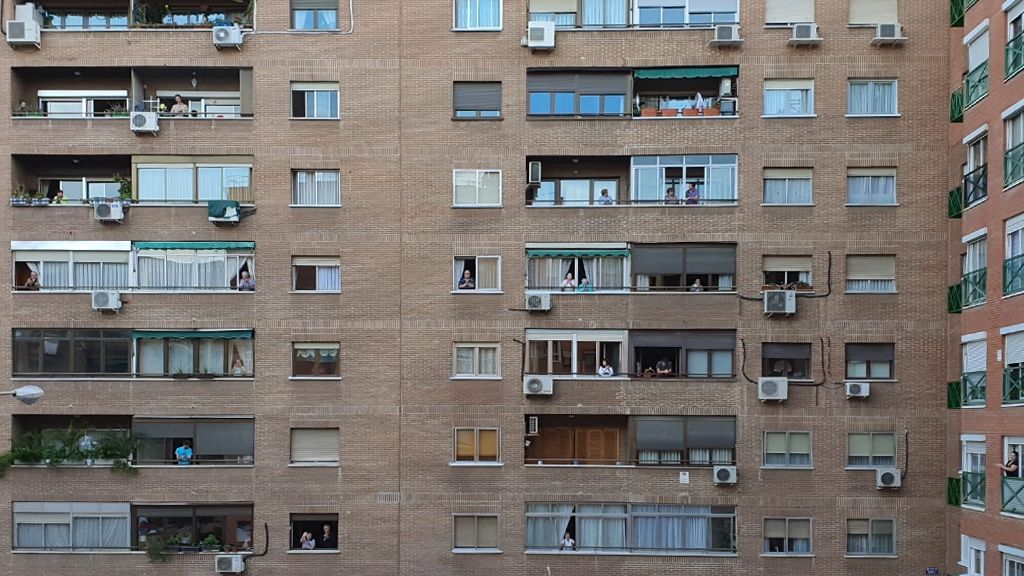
pixel 58 198
pixel 567 542
pixel 604 199
pixel 696 286
pixel 179 108
pixel 692 194
pixel 663 367
pixel 605 370
pixel 183 453
pixel 33 282
pixel 584 286
pixel 1012 466
pixel 569 283
pixel 670 196
pixel 246 283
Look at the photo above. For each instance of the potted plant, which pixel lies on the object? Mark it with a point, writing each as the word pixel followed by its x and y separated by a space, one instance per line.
pixel 124 190
pixel 180 374
pixel 20 196
pixel 205 374
pixel 669 112
pixel 648 111
pixel 156 548
pixel 210 544
pixel 118 110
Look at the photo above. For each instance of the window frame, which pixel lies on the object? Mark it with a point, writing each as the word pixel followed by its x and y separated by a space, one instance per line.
pixel 476 347
pixel 710 374
pixel 323 518
pixel 197 359
pixel 872 464
pixel 478 172
pixel 336 346
pixel 786 538
pixel 893 290
pixel 316 19
pixel 313 463
pixel 49 519
pixel 476 549
pixel 316 267
pixel 764 191
pixel 871 177
pixel 199 459
pixel 328 87
pixel 806 98
pixel 455 18
pixel 870 363
pixel 314 173
pixel 871 534
pixel 575 337
pixel 71 339
pixel 476 276
pixel 194 168
pixel 894 82
pixel 789 453
pixel 196 512
pixel 661 163
pixel 476 461
pixel 458 114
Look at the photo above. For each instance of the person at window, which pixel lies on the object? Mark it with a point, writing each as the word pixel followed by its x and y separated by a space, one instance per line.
pixel 663 367
pixel 567 542
pixel 179 108
pixel 604 199
pixel 692 194
pixel 584 286
pixel 183 453
pixel 328 539
pixel 569 283
pixel 467 282
pixel 696 286
pixel 33 282
pixel 307 542
pixel 238 367
pixel 605 370
pixel 670 196
pixel 246 283
pixel 1012 466
pixel 58 198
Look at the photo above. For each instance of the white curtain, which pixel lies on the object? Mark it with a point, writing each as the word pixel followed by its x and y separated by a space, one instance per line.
pixel 304 190
pixel 242 348
pixel 478 13
pixel 49 536
pixel 464 360
pixel 211 267
pixel 697 536
pixel 460 269
pixel 151 356
pixel 96 532
pixel 872 98
pixel 180 352
pixel 328 279
pixel 178 272
pixel 871 190
pixel 655 532
pixel 784 102
pixel 328 188
pixel 151 268
pixel 567 265
pixel 211 356
pixel 642 282
pixel 488 358
pixel 542 273
pixel 487 274
pixel 604 13
pixel 800 545
pixel 601 533
pixel 54 275
pixel 609 273
pixel 721 183
pixel 575 192
pixel 787 191
pixel 546 529
pixel 179 184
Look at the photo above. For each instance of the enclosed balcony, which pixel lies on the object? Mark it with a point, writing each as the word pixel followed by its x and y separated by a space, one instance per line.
pixel 976 85
pixel 1013 275
pixel 63 440
pixel 211 441
pixel 687 92
pixel 646 14
pixel 578 440
pixel 107 15
pixel 1013 384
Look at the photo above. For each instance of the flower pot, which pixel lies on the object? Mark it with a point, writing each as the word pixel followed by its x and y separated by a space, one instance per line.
pixel 712 112
pixel 669 112
pixel 206 376
pixel 21 202
pixel 40 201
pixel 181 376
pixel 648 112
pixel 690 112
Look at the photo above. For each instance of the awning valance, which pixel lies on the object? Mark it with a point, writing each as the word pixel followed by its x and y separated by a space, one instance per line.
pixel 192 334
pixel 193 245
pixel 687 72
pixel 576 253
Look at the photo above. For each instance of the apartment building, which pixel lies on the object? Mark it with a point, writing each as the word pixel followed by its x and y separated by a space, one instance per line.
pixel 476 286
pixel 986 210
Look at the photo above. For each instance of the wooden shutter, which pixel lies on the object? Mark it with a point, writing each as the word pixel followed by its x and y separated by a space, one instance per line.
pixel 788 11
pixel 315 445
pixel 870 267
pixel 787 263
pixel 597 445
pixel 1015 348
pixel 477 96
pixel 974 356
pixel 873 12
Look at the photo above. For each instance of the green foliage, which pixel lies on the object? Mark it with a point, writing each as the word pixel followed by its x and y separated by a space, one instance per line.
pixel 156 548
pixel 125 190
pixel 211 541
pixel 55 447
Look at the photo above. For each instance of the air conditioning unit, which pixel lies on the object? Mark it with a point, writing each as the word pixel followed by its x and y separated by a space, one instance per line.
pixel 227 37
pixel 106 300
pixel 780 302
pixel 538 302
pixel 888 34
pixel 776 389
pixel 533 425
pixel 540 36
pixel 724 474
pixel 805 35
pixel 23 33
pixel 230 564
pixel 143 122
pixel 858 389
pixel 887 478
pixel 538 386
pixel 108 211
pixel 726 35
pixel 534 173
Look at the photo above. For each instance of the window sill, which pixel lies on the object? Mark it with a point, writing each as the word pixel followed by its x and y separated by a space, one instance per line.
pixel 498 29
pixel 871 205
pixel 476 206
pixel 787 205
pixel 789 116
pixel 1012 295
pixel 798 468
pixel 873 116
pixel 314 292
pixel 313 552
pixel 314 205
pixel 476 464
pixel 682 290
pixel 870 556
pixel 314 30
pixel 477 118
pixel 1012 515
pixel 117 552
pixel 315 378
pixel 193 466
pixel 1020 405
pixel 493 378
pixel 966 506
pixel 476 551
pixel 872 380
pixel 477 292
pixel 627 553
pixel 864 468
pixel 870 293
pixel 787 555
pixel 127 378
pixel 336 119
pixel 314 465
pixel 973 407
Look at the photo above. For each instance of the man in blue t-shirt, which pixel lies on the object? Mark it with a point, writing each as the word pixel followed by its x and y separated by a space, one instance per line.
pixel 183 453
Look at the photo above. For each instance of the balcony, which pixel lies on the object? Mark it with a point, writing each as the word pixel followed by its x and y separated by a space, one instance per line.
pixel 973 489
pixel 973 386
pixel 1013 385
pixel 956 13
pixel 1014 56
pixel 108 15
pixel 1013 166
pixel 974 287
pixel 955 202
pixel 211 441
pixel 956 105
pixel 1013 275
pixel 1013 495
pixel 617 15
pixel 70 441
pixel 690 92
pixel 976 85
pixel 975 186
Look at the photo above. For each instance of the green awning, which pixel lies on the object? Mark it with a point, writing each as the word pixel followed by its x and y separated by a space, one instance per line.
pixel 688 72
pixel 192 334
pixel 576 253
pixel 193 245
pixel 217 208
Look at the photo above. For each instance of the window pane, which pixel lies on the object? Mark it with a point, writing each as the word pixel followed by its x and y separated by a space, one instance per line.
pixel 465 187
pixel 305 277
pixel 696 363
pixel 721 363
pixel 327 19
pixel 304 19
pixel 488 361
pixel 590 104
pixel 540 103
pixel 465 445
pixel 490 188
pixel 881 370
pixel 488 445
pixel 180 356
pixel 464 360
pixel 615 104
pixel 564 102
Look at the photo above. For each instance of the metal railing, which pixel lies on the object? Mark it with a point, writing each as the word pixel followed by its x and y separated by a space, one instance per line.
pixel 973 488
pixel 1014 56
pixel 976 84
pixel 1013 165
pixel 198 461
pixel 975 185
pixel 973 386
pixel 955 202
pixel 956 105
pixel 1013 275
pixel 974 285
pixel 956 13
pixel 1013 495
pixel 596 202
pixel 1013 385
pixel 639 289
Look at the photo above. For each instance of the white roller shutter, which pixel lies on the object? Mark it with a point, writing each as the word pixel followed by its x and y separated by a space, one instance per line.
pixel 870 267
pixel 873 12
pixel 1015 348
pixel 789 84
pixel 788 11
pixel 315 261
pixel 977 51
pixel 787 263
pixel 552 5
pixel 974 356
pixel 314 445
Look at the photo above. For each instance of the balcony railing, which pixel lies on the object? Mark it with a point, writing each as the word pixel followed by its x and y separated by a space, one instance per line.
pixel 973 386
pixel 976 84
pixel 956 13
pixel 1013 275
pixel 955 298
pixel 1013 165
pixel 1014 56
pixel 955 203
pixel 598 202
pixel 727 288
pixel 1013 385
pixel 956 105
pixel 975 185
pixel 1013 495
pixel 974 287
pixel 973 486
pixel 954 396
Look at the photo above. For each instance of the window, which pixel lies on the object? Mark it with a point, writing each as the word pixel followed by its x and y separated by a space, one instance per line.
pixel 870 449
pixel 872 98
pixel 72 269
pixel 476 99
pixel 186 182
pixel 870 361
pixel 787 449
pixel 315 359
pixel 787 536
pixel 194 352
pixel 575 269
pixel 792 361
pixel 870 537
pixel 81 526
pixel 788 12
pixel 478 14
pixel 84 188
pixel 973 374
pixel 685 440
pixel 77 20
pixel 315 14
pixel 634 528
pixel 583 93
pixel 315 100
pixel 75 352
pixel 316 274
pixel 787 186
pixel 1013 345
pixel 80 103
pixel 576 192
pixel 569 354
pixel 477 274
pixel 787 272
pixel 475 532
pixel 682 353
pixel 788 97
pixel 975 260
pixel 1013 565
pixel 230 524
pixel 477 445
pixel 871 186
pixel 713 176
pixel 683 267
pixel 477 188
pixel 976 81
pixel 1013 277
pixel 708 363
pixel 213 442
pixel 314 446
pixel 972 464
pixel 566 439
pixel 871 274
pixel 477 360
pixel 871 12
pixel 312 532
pixel 191 266
pixel 316 188
pixel 1013 169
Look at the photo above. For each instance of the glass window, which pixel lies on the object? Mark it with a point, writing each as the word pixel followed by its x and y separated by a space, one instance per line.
pixel 476 360
pixel 476 445
pixel 229 525
pixel 476 99
pixel 194 356
pixel 211 442
pixel 870 274
pixel 80 526
pixel 870 361
pixel 315 100
pixel 316 188
pixel 315 359
pixel 553 354
pixel 708 363
pixel 787 536
pixel 477 188
pixel 871 190
pixel 870 537
pixel 316 275
pixel 787 186
pixel 313 446
pixel 787 449
pixel 475 532
pixel 788 97
pixel 314 532
pixel 477 14
pixel 321 15
pixel 791 360
pixel 870 449
pixel 872 98
pixel 477 274
pixel 71 352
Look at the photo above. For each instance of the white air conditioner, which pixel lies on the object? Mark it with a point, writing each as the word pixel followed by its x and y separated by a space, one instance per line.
pixel 858 389
pixel 23 33
pixel 106 300
pixel 145 122
pixel 227 37
pixel 724 474
pixel 540 36
pixel 887 478
pixel 805 35
pixel 538 386
pixel 534 173
pixel 230 564
pixel 772 389
pixel 108 211
pixel 780 302
pixel 538 301
pixel 726 35
pixel 533 425
pixel 888 34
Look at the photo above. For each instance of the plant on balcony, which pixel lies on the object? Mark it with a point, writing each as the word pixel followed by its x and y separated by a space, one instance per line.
pixel 21 196
pixel 68 446
pixel 205 374
pixel 156 549
pixel 180 374
pixel 124 190
pixel 211 542
pixel 118 110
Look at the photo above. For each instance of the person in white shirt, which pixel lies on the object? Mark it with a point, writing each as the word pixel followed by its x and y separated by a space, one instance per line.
pixel 605 370
pixel 568 542
pixel 307 542
pixel 604 199
pixel 569 282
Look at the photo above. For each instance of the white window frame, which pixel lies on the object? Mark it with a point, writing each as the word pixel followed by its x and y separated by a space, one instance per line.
pixel 194 168
pixel 314 173
pixel 895 97
pixel 52 513
pixel 292 462
pixel 1014 555
pixel 806 97
pixel 787 180
pixel 787 466
pixel 476 461
pixel 326 86
pixel 872 465
pixel 871 534
pixel 476 549
pixel 1014 239
pixel 877 286
pixel 810 539
pixel 972 555
pixel 317 267
pixel 479 173
pixel 476 277
pixel 975 254
pixel 576 336
pixel 455 18
pixel 476 374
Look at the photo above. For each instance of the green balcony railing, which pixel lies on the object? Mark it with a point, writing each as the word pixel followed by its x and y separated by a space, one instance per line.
pixel 954 395
pixel 974 287
pixel 975 185
pixel 972 485
pixel 973 386
pixel 956 13
pixel 955 299
pixel 955 203
pixel 1014 55
pixel 953 491
pixel 956 105
pixel 976 84
pixel 1013 275
pixel 1013 384
pixel 1013 165
pixel 1013 495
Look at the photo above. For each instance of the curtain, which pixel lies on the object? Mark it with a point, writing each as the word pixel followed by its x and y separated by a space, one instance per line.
pixel 180 356
pixel 658 532
pixel 464 360
pixel 782 102
pixel 211 356
pixel 697 535
pixel 211 267
pixel 115 275
pixel 610 273
pixel 92 532
pixel 211 183
pixel 151 356
pixel 646 181
pixel 575 192
pixel 775 191
pixel 542 273
pixel 721 183
pixel 30 536
pixel 328 189
pixel 872 98
pixel 871 190
pixel 487 274
pixel 460 269
pixel 546 531
pixel 179 268
pixel 151 184
pixel 328 279
pixel 488 360
pixel 89 275
pixel 478 13
pixel 304 190
pixel 242 349
pixel 601 533
pixel 566 267
pixel 54 275
pixel 151 268
pixel 604 13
